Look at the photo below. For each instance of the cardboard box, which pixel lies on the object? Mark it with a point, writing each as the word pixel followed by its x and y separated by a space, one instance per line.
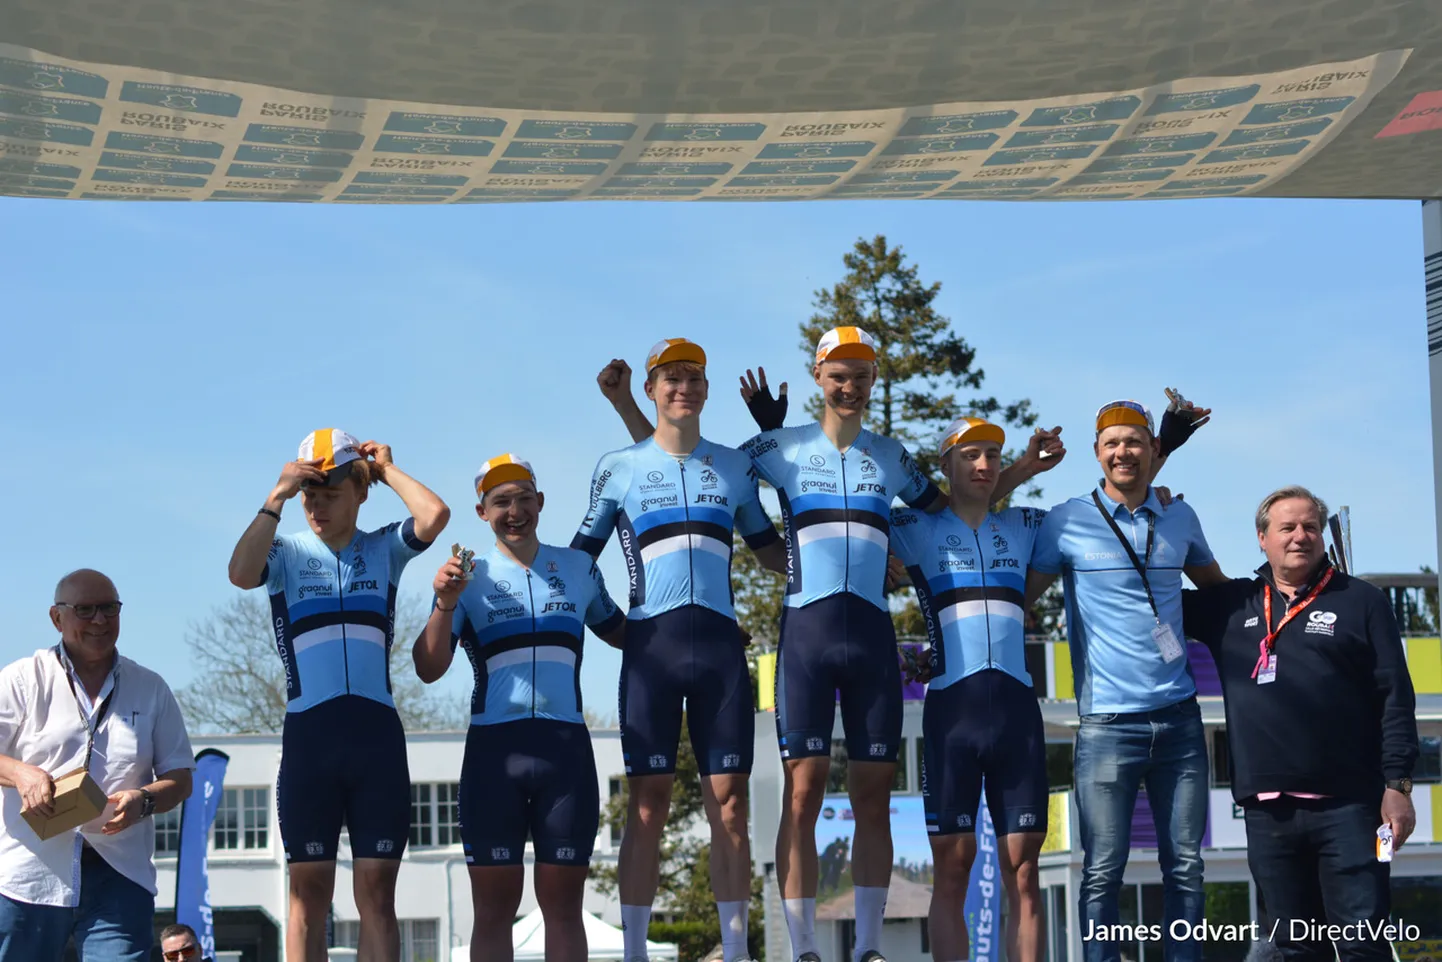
pixel 78 799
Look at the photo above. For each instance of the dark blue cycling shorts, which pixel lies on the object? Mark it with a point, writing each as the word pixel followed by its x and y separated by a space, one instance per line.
pixel 689 657
pixel 343 761
pixel 841 643
pixel 534 778
pixel 985 726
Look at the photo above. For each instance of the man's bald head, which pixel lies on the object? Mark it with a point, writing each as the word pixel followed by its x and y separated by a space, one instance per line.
pixel 85 586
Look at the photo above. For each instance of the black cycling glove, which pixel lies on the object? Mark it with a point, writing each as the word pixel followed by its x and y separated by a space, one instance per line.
pixel 1176 430
pixel 768 412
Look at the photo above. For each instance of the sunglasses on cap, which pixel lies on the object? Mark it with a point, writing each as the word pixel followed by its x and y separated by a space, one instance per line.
pixel 191 951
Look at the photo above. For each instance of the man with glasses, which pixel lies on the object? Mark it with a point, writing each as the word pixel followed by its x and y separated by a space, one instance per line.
pixel 179 944
pixel 1123 555
pixel 80 705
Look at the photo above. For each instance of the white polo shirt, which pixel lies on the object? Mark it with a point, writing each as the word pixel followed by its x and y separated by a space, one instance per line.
pixel 141 737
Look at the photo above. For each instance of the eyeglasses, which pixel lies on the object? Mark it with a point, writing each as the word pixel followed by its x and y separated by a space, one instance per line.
pixel 184 952
pixel 86 612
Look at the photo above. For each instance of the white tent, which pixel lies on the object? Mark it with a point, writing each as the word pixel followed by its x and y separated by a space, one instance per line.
pixel 604 943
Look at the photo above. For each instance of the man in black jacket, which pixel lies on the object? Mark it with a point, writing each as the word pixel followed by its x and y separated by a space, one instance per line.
pixel 1323 734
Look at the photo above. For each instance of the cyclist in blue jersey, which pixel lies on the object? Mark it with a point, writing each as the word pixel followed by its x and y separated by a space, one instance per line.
pixel 528 771
pixel 673 500
pixel 968 565
pixel 332 596
pixel 836 481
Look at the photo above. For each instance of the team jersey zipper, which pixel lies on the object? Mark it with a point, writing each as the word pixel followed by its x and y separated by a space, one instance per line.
pixel 531 595
pixel 690 547
pixel 985 602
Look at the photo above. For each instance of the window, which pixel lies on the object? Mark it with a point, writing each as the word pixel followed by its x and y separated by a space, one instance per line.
pixel 420 938
pixel 1059 766
pixel 242 820
pixel 435 814
pixel 167 832
pixel 902 764
pixel 1221 759
pixel 617 788
pixel 1429 761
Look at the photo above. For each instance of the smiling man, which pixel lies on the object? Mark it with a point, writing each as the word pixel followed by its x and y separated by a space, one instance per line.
pixel 1321 714
pixel 1123 556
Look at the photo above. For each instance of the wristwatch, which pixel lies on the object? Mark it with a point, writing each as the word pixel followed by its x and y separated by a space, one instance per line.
pixel 1403 785
pixel 147 803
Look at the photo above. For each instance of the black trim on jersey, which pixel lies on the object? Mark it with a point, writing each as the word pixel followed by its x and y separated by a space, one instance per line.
pixel 830 515
pixel 285 643
pixel 793 553
pixel 350 616
pixel 927 604
pixel 609 624
pixel 762 538
pixel 927 496
pixel 677 528
pixel 472 645
pixel 592 546
pixel 408 535
pixel 532 639
pixel 986 593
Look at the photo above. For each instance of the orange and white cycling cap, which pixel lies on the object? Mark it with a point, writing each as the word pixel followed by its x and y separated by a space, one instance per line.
pixel 331 446
pixel 501 469
pixel 842 343
pixel 674 349
pixel 969 430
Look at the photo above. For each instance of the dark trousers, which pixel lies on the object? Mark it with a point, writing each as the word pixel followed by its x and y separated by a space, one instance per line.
pixel 1315 864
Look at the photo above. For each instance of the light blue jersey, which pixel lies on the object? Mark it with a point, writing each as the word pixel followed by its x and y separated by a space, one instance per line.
pixel 971 586
pixel 334 612
pixel 1115 659
pixel 836 507
pixel 522 629
pixel 674 518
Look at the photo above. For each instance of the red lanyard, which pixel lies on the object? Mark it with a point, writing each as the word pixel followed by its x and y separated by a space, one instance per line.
pixel 1269 642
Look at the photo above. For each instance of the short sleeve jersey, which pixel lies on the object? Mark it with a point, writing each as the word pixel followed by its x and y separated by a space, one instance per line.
pixel 522 629
pixel 835 507
pixel 674 519
pixel 334 612
pixel 1116 662
pixel 971 587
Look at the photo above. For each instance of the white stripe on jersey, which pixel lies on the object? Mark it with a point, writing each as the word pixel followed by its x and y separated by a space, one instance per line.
pixel 980 609
pixel 350 632
pixel 525 656
pixel 681 542
pixel 841 529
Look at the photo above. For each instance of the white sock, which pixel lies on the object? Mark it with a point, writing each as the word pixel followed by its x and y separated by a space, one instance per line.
pixel 801 924
pixel 635 920
pixel 870 910
pixel 733 930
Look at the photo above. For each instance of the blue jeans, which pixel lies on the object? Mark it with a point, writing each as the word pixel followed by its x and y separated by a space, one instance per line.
pixel 1165 750
pixel 112 923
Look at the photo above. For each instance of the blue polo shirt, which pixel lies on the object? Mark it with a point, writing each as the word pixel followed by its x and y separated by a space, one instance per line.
pixel 1115 660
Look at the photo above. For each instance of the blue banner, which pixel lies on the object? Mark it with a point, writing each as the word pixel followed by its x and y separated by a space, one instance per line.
pixel 192 878
pixel 982 910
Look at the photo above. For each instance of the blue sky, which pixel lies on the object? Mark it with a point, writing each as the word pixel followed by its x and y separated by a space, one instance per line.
pixel 163 361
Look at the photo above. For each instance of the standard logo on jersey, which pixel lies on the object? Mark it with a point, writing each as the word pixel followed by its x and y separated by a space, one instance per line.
pixel 655 477
pixel 953 540
pixel 314 848
pixel 814 744
pixel 1252 622
pixel 817 461
pixel 313 564
pixel 565 854
pixel 1321 623
pixel 385 845
pixel 500 854
pixel 657 761
pixel 731 760
pixel 999 543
